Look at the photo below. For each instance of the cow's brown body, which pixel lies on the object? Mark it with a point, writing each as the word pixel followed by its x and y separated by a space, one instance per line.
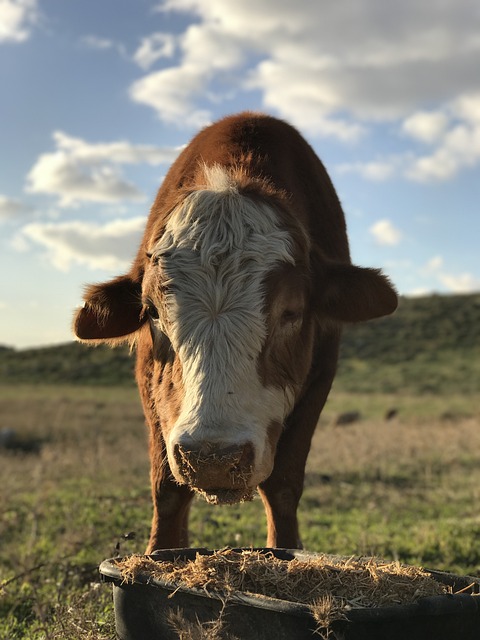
pixel 299 279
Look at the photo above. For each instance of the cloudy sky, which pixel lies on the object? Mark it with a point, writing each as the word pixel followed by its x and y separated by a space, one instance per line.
pixel 98 96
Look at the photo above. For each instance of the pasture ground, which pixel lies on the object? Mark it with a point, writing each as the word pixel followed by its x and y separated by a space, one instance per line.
pixel 76 482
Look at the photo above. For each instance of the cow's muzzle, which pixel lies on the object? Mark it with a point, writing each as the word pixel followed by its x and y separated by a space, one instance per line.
pixel 221 474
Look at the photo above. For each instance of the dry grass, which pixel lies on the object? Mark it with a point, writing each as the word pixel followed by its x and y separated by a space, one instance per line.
pixel 329 586
pixel 186 630
pixel 376 443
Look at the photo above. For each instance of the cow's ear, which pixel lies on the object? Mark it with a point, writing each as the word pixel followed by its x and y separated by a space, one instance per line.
pixel 112 311
pixel 352 294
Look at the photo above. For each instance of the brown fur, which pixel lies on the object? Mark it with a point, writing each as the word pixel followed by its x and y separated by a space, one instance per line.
pixel 271 162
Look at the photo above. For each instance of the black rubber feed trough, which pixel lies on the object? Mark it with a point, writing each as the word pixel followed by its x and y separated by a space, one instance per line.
pixel 142 609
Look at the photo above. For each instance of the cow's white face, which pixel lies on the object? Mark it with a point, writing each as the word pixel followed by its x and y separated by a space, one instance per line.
pixel 207 284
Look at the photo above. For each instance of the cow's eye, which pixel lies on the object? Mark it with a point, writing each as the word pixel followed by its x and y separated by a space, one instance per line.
pixel 291 317
pixel 151 310
pixel 167 287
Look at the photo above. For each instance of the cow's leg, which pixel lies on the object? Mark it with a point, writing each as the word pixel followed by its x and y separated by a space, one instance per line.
pixel 171 501
pixel 171 504
pixel 282 490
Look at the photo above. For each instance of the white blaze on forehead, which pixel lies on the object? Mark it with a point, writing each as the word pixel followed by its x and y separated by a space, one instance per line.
pixel 216 252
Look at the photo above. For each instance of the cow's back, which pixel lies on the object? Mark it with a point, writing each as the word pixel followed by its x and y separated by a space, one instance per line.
pixel 269 149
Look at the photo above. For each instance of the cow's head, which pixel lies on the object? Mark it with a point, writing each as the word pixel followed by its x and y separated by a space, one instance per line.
pixel 233 294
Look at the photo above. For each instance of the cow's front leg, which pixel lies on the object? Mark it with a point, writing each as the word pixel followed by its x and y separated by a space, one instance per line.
pixel 171 501
pixel 282 490
pixel 280 500
pixel 171 505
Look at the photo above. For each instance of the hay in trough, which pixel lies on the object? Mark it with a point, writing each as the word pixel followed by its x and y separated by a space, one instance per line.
pixel 328 586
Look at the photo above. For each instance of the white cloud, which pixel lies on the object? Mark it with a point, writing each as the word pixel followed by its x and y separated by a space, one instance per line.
pixel 455 282
pixel 460 283
pixel 16 18
pixel 385 233
pixel 457 139
pixel 97 43
pixel 81 171
pixel 376 170
pixel 110 246
pixel 330 68
pixel 208 52
pixel 170 93
pixel 419 292
pixel 153 48
pixel 467 107
pixel 459 149
pixel 12 208
pixel 434 264
pixel 453 139
pixel 296 92
pixel 426 126
pixel 61 175
pixel 121 152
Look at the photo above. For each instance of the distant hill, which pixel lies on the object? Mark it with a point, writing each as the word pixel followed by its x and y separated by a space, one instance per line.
pixel 430 345
pixel 71 363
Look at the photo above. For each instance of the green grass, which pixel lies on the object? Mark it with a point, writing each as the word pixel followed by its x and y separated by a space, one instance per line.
pixel 403 489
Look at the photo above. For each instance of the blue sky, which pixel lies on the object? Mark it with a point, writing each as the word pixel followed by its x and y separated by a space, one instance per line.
pixel 98 96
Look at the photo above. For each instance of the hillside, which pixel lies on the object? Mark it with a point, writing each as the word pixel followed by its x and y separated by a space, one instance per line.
pixel 71 363
pixel 430 344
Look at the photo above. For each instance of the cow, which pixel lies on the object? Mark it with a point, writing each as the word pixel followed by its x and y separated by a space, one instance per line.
pixel 235 304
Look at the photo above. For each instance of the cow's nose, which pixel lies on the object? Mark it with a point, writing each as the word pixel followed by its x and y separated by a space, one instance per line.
pixel 211 467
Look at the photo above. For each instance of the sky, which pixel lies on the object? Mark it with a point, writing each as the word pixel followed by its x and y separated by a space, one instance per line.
pixel 98 97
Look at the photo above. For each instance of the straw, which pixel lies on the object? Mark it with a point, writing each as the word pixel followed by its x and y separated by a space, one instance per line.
pixel 329 587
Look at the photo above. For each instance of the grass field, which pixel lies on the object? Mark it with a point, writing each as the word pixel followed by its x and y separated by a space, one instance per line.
pixel 77 481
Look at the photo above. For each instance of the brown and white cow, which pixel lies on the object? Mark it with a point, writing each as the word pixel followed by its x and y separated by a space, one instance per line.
pixel 235 303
